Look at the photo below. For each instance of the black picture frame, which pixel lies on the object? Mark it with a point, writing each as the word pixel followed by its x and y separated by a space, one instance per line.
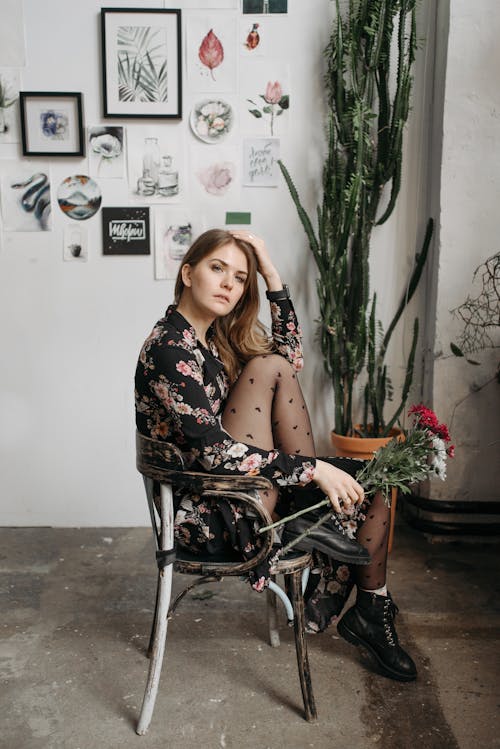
pixel 52 123
pixel 141 64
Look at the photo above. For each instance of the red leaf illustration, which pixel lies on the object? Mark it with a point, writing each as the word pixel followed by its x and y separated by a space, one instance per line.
pixel 211 52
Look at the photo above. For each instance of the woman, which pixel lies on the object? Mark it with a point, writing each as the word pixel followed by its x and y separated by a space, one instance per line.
pixel 210 380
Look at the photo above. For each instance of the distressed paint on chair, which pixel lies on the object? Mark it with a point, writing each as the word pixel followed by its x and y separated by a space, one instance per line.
pixel 154 459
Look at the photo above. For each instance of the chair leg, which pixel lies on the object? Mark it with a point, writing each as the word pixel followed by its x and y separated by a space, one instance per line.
pixel 158 649
pixel 153 625
pixel 274 637
pixel 295 592
pixel 159 632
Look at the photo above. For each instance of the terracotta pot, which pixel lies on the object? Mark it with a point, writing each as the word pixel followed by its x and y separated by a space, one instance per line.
pixel 363 449
pixel 360 447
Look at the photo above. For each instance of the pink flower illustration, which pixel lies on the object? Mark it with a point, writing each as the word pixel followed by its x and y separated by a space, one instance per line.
pixel 211 52
pixel 273 92
pixel 217 178
pixel 275 103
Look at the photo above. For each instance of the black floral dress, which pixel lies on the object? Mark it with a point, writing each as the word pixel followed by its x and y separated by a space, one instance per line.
pixel 180 393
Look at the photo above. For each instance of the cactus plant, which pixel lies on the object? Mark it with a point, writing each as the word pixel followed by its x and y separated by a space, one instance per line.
pixel 366 117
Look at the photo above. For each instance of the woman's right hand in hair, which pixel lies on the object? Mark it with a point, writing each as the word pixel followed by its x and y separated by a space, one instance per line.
pixel 265 265
pixel 341 488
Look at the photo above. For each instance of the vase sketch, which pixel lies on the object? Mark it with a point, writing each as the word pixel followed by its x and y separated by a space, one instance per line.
pixel 3 123
pixel 177 240
pixel 168 179
pixel 151 159
pixel 158 177
pixel 146 184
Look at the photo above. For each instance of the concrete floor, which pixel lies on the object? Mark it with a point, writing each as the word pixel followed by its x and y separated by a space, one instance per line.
pixel 76 609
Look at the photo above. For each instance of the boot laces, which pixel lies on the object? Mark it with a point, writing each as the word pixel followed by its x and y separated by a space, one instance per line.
pixel 390 609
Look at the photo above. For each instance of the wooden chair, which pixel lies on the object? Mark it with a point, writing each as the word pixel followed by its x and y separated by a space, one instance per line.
pixel 162 462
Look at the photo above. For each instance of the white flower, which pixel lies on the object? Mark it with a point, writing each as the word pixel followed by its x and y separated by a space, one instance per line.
pixel 237 450
pixel 214 108
pixel 106 145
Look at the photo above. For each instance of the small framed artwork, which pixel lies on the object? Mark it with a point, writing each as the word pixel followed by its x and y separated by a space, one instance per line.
pixel 125 231
pixel 51 123
pixel 142 63
pixel 265 6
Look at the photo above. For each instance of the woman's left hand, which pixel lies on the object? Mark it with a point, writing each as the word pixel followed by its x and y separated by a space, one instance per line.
pixel 264 263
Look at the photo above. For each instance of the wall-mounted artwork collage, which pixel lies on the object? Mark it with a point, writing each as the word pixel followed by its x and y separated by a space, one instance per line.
pixel 194 105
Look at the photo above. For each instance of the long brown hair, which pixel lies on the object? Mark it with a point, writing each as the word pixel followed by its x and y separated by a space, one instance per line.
pixel 238 335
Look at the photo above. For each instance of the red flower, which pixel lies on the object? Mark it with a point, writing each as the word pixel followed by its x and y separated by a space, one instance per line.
pixel 451 451
pixel 427 419
pixel 211 52
pixel 443 432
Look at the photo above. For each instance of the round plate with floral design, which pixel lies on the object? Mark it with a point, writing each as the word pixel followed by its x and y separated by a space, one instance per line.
pixel 211 120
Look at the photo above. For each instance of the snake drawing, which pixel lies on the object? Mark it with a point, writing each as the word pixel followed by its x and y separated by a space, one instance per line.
pixel 36 199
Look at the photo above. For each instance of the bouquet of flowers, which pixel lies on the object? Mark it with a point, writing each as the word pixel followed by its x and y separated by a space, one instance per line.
pixel 417 454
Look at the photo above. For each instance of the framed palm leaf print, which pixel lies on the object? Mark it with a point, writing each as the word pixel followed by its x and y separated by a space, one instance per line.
pixel 141 59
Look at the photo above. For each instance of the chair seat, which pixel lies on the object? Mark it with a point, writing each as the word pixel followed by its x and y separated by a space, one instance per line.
pixel 227 562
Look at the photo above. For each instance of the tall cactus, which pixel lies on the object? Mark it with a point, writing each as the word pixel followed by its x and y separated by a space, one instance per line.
pixel 366 119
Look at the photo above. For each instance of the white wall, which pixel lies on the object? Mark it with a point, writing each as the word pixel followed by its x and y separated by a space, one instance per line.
pixel 469 228
pixel 71 332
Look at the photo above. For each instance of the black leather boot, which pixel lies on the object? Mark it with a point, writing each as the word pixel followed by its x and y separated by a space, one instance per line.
pixel 328 537
pixel 370 623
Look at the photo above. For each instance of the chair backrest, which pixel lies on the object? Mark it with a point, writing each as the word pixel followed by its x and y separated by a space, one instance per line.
pixel 163 462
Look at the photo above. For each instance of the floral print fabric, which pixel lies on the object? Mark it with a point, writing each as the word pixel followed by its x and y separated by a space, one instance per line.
pixel 180 392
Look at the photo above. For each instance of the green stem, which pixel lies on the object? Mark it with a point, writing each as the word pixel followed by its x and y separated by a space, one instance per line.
pixel 295 515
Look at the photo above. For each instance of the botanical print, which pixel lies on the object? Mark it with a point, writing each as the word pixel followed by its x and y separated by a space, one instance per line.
pixel 265 6
pixel 125 231
pixel 155 165
pixel 79 197
pixel 106 152
pixel 25 192
pixel 211 52
pixel 216 170
pixel 217 178
pixel 75 243
pixel 211 61
pixel 260 162
pixel 12 54
pixel 142 63
pixel 275 103
pixel 174 233
pixel 10 84
pixel 211 120
pixel 266 97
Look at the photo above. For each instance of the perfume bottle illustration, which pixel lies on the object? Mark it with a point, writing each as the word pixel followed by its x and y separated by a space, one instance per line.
pixel 145 184
pixel 168 179
pixel 151 159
